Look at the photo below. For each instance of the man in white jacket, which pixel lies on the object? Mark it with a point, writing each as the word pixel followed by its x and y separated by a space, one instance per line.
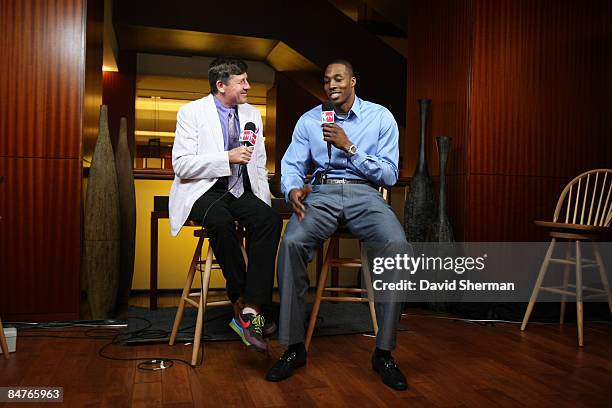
pixel 217 182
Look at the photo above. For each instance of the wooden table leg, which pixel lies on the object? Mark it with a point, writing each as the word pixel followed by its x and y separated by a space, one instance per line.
pixel 153 265
pixel 3 344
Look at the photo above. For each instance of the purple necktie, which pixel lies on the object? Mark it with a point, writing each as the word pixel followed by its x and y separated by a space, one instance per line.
pixel 234 180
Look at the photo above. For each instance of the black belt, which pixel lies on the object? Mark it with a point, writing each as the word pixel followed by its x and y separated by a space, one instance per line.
pixel 346 181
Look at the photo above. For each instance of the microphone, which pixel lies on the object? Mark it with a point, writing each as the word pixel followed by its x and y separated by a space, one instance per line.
pixel 327 116
pixel 248 137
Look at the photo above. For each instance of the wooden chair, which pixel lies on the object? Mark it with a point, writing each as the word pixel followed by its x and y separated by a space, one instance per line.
pixel 204 267
pixel 3 345
pixel 587 204
pixel 332 260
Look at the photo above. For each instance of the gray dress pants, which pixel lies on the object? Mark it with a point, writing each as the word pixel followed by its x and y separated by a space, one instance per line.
pixel 360 208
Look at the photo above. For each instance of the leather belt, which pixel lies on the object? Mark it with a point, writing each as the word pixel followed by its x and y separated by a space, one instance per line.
pixel 346 181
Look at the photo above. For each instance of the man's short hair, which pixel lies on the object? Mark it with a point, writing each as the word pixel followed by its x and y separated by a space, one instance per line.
pixel 220 69
pixel 344 62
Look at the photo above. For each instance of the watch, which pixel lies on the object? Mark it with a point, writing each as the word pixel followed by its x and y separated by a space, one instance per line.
pixel 351 151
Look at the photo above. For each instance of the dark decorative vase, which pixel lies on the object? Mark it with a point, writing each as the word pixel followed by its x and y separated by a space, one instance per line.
pixel 101 246
pixel 127 213
pixel 441 229
pixel 419 210
pixel 441 232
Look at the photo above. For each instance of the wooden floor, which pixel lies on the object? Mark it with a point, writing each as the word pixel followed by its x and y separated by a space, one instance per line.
pixel 448 364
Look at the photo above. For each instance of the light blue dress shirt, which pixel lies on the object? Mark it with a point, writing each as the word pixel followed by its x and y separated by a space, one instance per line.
pixel 371 127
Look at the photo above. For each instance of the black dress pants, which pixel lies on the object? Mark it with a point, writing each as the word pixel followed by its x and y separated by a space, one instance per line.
pixel 263 226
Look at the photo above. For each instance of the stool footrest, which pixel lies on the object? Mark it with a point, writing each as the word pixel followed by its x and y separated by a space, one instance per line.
pixel 556 290
pixel 344 299
pixel 347 290
pixel 192 302
pixel 214 265
pixel 560 290
pixel 213 292
pixel 347 262
pixel 219 303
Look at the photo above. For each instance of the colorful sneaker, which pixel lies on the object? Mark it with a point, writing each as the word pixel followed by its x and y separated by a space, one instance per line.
pixel 250 329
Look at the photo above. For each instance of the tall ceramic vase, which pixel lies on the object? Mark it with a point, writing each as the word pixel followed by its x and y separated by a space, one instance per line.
pixel 441 229
pixel 419 210
pixel 101 256
pixel 127 214
pixel 441 232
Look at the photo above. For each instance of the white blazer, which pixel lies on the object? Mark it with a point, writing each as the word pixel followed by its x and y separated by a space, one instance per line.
pixel 199 158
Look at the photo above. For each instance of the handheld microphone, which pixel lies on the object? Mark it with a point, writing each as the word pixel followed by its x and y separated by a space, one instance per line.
pixel 248 137
pixel 327 116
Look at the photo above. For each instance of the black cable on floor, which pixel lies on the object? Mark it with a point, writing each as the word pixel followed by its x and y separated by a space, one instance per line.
pixel 116 337
pixel 149 362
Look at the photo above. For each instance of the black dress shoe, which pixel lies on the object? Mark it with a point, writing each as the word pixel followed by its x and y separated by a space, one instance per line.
pixel 284 367
pixel 389 372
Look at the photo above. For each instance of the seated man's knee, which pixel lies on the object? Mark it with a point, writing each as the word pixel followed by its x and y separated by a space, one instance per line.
pixel 219 222
pixel 266 221
pixel 273 219
pixel 398 240
pixel 293 238
pixel 392 236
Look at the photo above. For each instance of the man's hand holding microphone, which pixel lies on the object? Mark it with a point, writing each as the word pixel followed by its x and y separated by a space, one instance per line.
pixel 240 155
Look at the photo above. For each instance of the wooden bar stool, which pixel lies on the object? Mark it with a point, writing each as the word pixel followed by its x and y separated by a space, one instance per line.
pixel 587 204
pixel 332 260
pixel 204 267
pixel 3 345
pixel 329 262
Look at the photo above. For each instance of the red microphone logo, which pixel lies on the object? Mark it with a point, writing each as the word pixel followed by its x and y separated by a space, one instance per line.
pixel 327 116
pixel 249 137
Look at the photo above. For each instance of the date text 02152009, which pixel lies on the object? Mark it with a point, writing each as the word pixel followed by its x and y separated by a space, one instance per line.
pixel 31 394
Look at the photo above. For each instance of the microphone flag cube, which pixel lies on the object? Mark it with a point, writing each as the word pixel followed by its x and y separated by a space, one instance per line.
pixel 249 137
pixel 327 116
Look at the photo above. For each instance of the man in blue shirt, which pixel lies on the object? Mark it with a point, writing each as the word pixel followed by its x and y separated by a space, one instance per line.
pixel 344 191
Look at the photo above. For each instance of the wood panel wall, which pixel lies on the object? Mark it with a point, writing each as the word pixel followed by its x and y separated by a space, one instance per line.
pixel 119 94
pixel 42 78
pixel 40 238
pixel 92 99
pixel 524 90
pixel 540 109
pixel 439 59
